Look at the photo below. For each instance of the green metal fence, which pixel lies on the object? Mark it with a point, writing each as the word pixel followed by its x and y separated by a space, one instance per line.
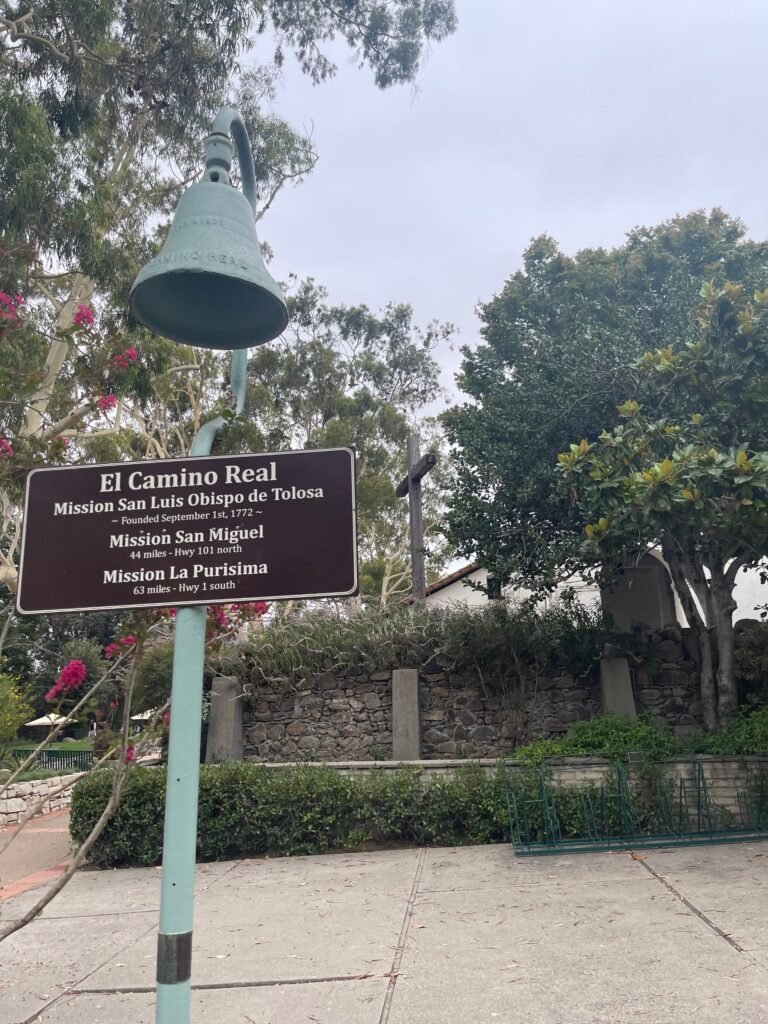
pixel 58 760
pixel 556 808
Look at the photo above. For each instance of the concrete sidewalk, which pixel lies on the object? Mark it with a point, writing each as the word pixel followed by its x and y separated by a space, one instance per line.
pixel 440 936
pixel 38 853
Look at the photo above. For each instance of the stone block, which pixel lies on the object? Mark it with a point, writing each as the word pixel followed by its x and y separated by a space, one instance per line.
pixel 616 687
pixel 568 715
pixel 296 729
pixel 668 651
pixel 432 736
pixel 446 748
pixel 257 733
pixel 225 721
pixel 372 701
pixel 406 715
pixel 553 725
pixel 483 734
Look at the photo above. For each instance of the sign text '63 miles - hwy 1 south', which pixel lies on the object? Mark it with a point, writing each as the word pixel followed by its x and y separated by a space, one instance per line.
pixel 189 531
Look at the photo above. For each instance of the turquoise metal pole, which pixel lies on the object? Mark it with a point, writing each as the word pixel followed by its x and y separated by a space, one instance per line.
pixel 174 944
pixel 174 941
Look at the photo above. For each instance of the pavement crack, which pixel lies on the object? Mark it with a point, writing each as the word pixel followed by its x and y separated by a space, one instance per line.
pixel 687 903
pixel 216 985
pixel 402 939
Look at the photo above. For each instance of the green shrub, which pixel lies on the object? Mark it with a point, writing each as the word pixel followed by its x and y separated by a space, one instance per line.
pixel 247 810
pixel 134 834
pixel 747 734
pixel 612 736
pixel 503 641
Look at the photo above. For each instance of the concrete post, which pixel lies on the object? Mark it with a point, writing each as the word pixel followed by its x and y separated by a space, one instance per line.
pixel 225 721
pixel 616 687
pixel 406 716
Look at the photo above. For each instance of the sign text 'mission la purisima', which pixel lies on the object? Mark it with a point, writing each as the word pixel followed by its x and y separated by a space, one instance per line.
pixel 190 531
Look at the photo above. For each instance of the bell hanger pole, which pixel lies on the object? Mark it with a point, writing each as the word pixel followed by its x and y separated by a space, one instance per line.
pixel 174 943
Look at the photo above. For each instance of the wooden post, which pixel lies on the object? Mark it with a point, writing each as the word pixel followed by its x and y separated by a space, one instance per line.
pixel 411 485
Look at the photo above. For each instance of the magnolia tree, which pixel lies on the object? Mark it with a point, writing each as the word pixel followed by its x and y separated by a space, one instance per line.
pixel 687 469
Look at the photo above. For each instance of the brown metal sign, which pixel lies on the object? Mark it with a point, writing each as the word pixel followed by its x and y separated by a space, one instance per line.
pixel 189 531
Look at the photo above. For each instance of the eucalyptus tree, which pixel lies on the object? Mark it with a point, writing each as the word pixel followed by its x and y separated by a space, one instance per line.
pixel 102 111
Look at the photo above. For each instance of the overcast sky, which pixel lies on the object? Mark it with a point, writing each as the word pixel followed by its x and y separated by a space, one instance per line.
pixel 579 118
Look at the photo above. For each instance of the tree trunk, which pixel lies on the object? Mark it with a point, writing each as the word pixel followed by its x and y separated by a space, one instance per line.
pixel 724 606
pixel 707 682
pixel 685 584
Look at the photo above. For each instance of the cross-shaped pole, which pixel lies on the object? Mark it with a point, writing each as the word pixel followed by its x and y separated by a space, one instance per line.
pixel 411 485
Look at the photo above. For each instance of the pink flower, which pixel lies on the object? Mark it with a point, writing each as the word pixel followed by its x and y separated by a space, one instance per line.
pixel 83 316
pixel 73 674
pixel 124 359
pixel 119 647
pixel 130 753
pixel 70 677
pixel 9 308
pixel 107 402
pixel 6 448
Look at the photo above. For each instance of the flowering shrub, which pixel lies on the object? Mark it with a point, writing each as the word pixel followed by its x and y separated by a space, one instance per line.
pixel 124 359
pixel 83 317
pixel 223 617
pixel 107 402
pixel 6 448
pixel 70 677
pixel 9 310
pixel 114 650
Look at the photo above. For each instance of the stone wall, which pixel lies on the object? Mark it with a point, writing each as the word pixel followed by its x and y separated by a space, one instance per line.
pixel 349 717
pixel 667 684
pixel 333 717
pixel 20 796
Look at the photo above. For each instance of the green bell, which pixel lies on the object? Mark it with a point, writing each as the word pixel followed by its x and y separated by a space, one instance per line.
pixel 209 286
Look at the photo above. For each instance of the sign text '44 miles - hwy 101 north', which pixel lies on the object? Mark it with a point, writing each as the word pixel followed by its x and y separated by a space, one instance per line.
pixel 189 531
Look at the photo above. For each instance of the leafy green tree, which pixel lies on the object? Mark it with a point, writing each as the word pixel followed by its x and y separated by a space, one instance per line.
pixel 687 469
pixel 35 649
pixel 559 346
pixel 346 376
pixel 15 710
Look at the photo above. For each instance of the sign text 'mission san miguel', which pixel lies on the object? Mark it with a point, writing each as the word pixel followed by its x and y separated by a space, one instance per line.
pixel 189 531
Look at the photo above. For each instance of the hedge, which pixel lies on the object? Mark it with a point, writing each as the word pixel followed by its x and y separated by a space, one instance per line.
pixel 247 810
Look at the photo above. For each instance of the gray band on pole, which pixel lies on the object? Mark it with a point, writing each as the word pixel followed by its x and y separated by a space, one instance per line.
pixel 174 958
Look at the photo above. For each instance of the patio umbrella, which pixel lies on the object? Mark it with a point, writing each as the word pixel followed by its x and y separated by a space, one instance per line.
pixel 50 720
